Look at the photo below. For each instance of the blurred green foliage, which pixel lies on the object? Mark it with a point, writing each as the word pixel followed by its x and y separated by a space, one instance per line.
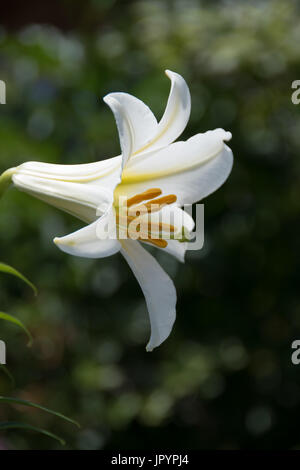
pixel 224 379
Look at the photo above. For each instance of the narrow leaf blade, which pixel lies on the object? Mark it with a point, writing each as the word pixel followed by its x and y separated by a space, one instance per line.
pixel 18 425
pixel 16 321
pixel 5 268
pixel 19 401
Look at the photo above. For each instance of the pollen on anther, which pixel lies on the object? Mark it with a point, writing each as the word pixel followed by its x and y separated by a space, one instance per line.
pixel 156 242
pixel 149 194
pixel 157 204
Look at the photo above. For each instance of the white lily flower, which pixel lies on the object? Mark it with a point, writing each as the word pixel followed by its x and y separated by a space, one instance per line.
pixel 151 170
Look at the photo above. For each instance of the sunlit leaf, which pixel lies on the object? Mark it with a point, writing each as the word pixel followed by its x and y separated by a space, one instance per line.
pixel 16 321
pixel 5 268
pixel 17 425
pixel 18 401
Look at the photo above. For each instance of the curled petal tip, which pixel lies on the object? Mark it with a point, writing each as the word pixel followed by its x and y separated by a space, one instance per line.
pixel 228 136
pixel 106 98
pixel 170 73
pixel 109 99
pixel 63 241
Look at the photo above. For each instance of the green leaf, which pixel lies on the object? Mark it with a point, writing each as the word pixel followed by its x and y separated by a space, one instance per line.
pixel 17 425
pixel 11 319
pixel 5 268
pixel 18 401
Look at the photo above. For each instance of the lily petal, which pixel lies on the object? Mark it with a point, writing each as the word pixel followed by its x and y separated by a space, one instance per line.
pixel 158 289
pixel 104 171
pixel 175 117
pixel 136 123
pixel 83 201
pixel 88 242
pixel 183 224
pixel 174 248
pixel 175 216
pixel 192 169
pixel 171 222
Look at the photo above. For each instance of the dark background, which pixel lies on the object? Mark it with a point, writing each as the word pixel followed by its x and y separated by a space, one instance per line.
pixel 224 378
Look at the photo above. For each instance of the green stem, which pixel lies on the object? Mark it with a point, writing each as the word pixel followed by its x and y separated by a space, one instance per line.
pixel 5 180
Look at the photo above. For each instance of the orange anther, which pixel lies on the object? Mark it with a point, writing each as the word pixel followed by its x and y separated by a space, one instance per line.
pixel 138 227
pixel 166 227
pixel 149 194
pixel 156 205
pixel 159 243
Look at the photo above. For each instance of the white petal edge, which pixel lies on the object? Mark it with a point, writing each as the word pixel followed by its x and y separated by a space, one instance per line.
pixel 191 170
pixel 174 248
pixel 106 172
pixel 86 202
pixel 135 122
pixel 175 117
pixel 173 215
pixel 88 243
pixel 158 289
pixel 180 220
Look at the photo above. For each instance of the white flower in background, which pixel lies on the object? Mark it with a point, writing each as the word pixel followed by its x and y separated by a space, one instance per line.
pixel 152 170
